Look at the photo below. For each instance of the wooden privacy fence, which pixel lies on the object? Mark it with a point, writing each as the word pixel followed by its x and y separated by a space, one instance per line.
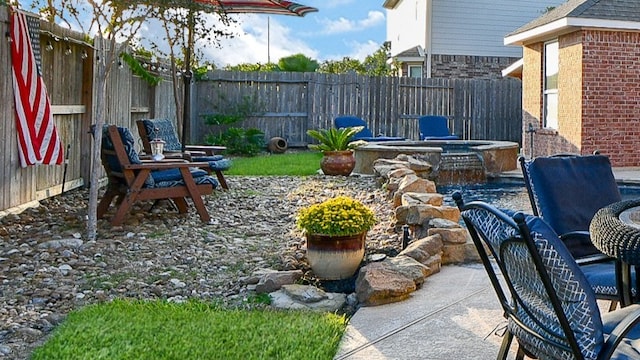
pixel 282 104
pixel 68 73
pixel 288 104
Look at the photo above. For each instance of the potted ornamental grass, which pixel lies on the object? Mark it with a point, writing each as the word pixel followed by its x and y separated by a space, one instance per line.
pixel 337 147
pixel 335 230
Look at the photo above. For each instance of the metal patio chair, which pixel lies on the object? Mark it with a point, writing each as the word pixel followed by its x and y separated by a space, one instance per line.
pixel 566 191
pixel 550 307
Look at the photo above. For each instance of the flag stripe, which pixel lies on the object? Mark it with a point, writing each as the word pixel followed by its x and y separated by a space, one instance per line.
pixel 38 138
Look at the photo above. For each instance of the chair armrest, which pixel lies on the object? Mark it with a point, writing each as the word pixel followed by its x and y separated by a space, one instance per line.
pixel 164 165
pixel 576 235
pixel 594 259
pixel 618 333
pixel 207 149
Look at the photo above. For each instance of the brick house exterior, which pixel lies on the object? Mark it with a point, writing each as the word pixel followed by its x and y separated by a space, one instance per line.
pixel 598 80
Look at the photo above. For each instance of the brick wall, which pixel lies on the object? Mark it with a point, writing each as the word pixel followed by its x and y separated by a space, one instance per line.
pixel 463 66
pixel 611 95
pixel 570 92
pixel 599 96
pixel 531 95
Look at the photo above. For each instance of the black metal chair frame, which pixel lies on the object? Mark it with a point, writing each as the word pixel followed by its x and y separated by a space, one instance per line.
pixel 586 260
pixel 509 298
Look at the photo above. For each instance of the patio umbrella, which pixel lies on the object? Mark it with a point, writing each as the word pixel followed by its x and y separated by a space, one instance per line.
pixel 276 7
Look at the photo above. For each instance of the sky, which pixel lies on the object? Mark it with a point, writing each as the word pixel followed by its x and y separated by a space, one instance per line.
pixel 340 28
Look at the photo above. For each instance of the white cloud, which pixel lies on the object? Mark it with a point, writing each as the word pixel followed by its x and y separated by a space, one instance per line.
pixel 343 25
pixel 359 50
pixel 255 43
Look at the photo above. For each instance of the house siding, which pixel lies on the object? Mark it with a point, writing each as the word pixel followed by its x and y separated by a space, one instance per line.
pixel 477 28
pixel 406 25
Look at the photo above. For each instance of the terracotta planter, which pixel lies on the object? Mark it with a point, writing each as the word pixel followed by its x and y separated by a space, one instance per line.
pixel 335 257
pixel 338 162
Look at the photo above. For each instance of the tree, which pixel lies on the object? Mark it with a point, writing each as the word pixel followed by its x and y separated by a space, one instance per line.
pixel 376 64
pixel 253 67
pixel 184 24
pixel 342 66
pixel 110 20
pixel 297 63
pixel 373 65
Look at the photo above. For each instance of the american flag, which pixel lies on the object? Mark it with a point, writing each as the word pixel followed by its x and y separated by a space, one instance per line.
pixel 38 139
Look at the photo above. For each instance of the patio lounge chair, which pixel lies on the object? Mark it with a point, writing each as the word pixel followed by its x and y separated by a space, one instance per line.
pixel 132 180
pixel 434 127
pixel 149 129
pixel 549 305
pixel 365 134
pixel 566 191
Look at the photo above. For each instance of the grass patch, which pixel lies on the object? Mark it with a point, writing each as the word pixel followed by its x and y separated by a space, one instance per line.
pixel 193 330
pixel 303 163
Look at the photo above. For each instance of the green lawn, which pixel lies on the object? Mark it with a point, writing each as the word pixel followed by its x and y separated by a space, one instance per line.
pixel 194 330
pixel 299 163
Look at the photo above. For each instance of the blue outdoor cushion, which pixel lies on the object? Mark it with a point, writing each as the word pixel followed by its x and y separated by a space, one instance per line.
pixel 216 162
pixel 173 177
pixel 570 205
pixel 433 127
pixel 570 284
pixel 163 129
pixel 365 134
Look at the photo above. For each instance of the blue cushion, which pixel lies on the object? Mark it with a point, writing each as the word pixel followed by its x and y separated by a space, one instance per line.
pixel 434 127
pixel 129 147
pixel 173 177
pixel 163 129
pixel 570 205
pixel 570 284
pixel 351 121
pixel 216 162
pixel 365 134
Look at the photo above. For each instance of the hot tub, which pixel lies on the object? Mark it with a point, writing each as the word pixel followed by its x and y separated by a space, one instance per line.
pixel 453 161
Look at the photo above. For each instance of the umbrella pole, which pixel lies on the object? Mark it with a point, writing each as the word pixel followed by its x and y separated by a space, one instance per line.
pixel 187 75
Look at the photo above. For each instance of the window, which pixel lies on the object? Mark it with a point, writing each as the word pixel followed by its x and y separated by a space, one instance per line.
pixel 415 71
pixel 551 59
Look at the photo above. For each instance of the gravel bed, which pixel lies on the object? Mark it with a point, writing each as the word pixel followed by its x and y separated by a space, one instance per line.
pixel 47 268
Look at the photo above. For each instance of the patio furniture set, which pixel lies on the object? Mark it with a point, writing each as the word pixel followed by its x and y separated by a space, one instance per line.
pixel 549 269
pixel 174 174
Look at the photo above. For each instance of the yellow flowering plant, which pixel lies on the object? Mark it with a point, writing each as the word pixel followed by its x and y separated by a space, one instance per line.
pixel 339 216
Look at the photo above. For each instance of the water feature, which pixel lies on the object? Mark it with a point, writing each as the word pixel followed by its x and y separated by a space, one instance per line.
pixel 509 195
pixel 453 161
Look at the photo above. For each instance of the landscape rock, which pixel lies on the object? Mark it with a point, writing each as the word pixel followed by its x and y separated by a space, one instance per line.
pixel 380 283
pixel 330 302
pixel 423 249
pixel 274 280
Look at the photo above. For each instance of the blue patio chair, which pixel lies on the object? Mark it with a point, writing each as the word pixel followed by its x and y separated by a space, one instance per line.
pixel 566 191
pixel 433 127
pixel 550 307
pixel 365 134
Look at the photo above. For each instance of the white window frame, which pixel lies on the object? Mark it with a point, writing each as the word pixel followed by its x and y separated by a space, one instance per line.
pixel 410 74
pixel 551 58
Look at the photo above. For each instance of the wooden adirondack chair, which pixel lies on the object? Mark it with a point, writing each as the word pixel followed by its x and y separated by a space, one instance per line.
pixel 163 129
pixel 132 180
